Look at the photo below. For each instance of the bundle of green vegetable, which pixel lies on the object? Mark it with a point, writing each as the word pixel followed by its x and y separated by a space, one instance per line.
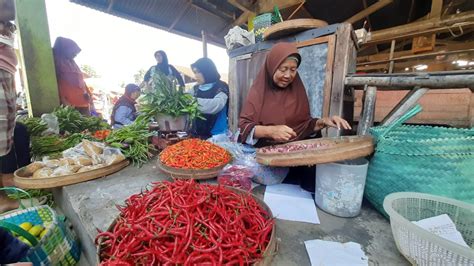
pixel 133 141
pixel 47 146
pixel 72 121
pixel 53 145
pixel 34 125
pixel 166 98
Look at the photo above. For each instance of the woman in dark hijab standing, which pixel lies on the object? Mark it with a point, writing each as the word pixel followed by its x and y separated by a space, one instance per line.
pixel 163 67
pixel 277 108
pixel 212 95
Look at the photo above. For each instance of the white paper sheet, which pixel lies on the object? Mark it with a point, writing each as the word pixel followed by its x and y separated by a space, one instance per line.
pixel 444 227
pixel 328 253
pixel 290 202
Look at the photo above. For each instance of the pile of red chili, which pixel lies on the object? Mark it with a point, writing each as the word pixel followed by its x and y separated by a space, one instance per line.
pixel 187 223
pixel 101 134
pixel 194 154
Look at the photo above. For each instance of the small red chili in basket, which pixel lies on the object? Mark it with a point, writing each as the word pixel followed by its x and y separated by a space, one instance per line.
pixel 194 154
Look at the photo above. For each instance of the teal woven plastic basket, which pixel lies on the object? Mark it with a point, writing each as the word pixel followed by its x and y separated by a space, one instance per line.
pixel 433 160
pixel 59 246
pixel 262 22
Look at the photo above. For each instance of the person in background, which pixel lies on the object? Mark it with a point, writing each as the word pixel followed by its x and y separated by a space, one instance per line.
pixel 212 95
pixel 277 109
pixel 124 111
pixel 163 67
pixel 8 62
pixel 11 249
pixel 73 90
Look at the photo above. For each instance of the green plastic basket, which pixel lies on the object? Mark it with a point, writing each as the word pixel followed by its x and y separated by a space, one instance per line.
pixel 59 246
pixel 433 160
pixel 262 22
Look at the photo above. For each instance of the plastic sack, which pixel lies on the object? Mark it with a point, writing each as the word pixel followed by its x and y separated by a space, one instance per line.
pixel 238 37
pixel 112 155
pixel 74 152
pixel 238 176
pixel 52 122
pixel 245 155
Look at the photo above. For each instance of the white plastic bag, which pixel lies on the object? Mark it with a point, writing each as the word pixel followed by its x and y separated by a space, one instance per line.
pixel 245 155
pixel 52 122
pixel 237 37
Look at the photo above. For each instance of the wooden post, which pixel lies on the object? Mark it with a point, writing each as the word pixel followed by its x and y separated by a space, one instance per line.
pixel 204 44
pixel 436 8
pixel 408 102
pixel 344 62
pixel 41 85
pixel 233 95
pixel 392 50
pixel 368 111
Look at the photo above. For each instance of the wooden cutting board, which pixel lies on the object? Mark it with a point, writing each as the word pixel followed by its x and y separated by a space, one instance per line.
pixel 292 26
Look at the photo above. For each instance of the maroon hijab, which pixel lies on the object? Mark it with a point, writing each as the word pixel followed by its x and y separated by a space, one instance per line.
pixel 269 105
pixel 64 51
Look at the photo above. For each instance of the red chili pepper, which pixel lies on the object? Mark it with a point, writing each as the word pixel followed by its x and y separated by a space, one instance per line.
pixel 194 154
pixel 186 223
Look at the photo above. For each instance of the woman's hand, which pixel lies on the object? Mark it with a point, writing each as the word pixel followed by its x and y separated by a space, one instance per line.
pixel 334 121
pixel 280 133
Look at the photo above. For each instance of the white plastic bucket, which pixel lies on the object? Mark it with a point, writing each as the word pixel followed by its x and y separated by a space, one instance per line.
pixel 340 186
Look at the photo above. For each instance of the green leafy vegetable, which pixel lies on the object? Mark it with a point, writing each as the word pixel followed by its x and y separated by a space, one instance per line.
pixel 133 141
pixel 165 97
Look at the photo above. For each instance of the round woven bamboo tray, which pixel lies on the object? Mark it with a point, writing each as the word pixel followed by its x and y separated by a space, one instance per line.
pixel 269 253
pixel 191 173
pixel 292 26
pixel 337 149
pixel 22 181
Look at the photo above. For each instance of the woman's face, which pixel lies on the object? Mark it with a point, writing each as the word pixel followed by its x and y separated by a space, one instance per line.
pixel 159 58
pixel 198 76
pixel 286 73
pixel 135 95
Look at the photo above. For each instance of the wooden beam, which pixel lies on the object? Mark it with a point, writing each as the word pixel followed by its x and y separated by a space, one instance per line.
pixel 371 9
pixel 417 56
pixel 364 3
pixel 111 5
pixel 445 46
pixel 241 6
pixel 204 43
pixel 267 5
pixel 408 102
pixel 242 19
pixel 180 15
pixel 436 8
pixel 368 110
pixel 422 27
pixel 452 79
pixel 295 11
pixel 392 50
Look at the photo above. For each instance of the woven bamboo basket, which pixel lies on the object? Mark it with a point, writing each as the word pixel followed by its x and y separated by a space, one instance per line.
pixel 196 174
pixel 268 254
pixel 23 181
pixel 331 150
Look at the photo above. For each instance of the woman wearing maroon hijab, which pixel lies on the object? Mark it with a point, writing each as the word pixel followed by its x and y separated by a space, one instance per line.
pixel 277 107
pixel 73 90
